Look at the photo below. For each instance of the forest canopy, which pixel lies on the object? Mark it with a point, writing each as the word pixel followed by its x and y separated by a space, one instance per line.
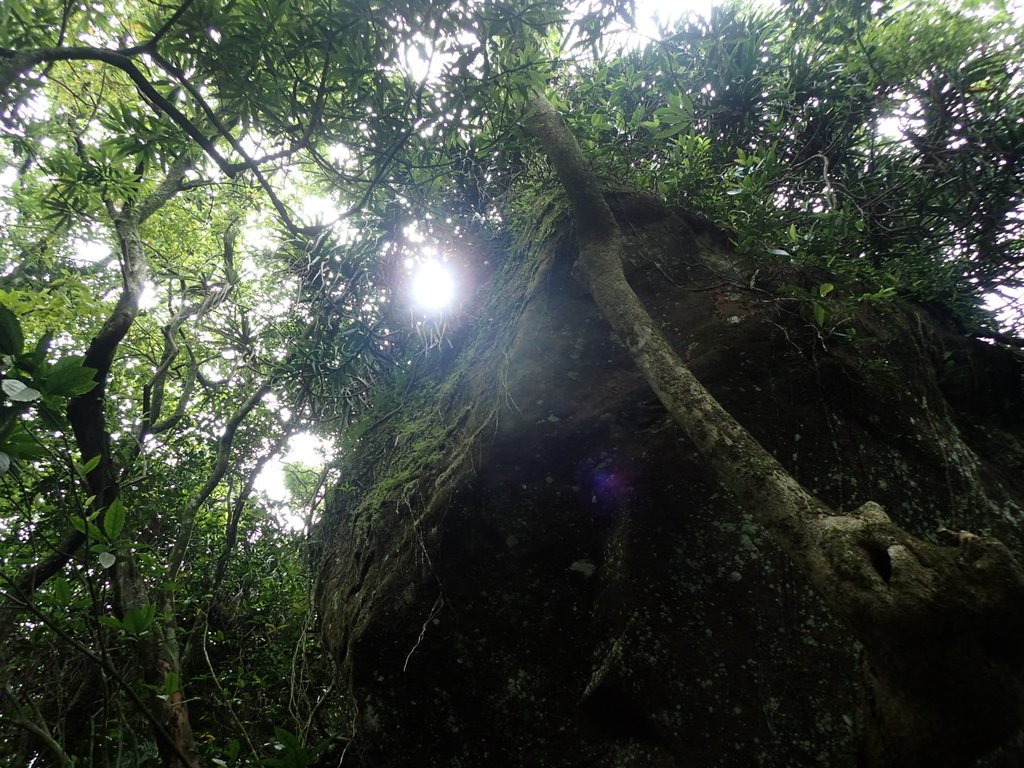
pixel 210 217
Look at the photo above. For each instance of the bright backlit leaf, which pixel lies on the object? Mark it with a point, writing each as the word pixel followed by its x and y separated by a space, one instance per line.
pixel 19 392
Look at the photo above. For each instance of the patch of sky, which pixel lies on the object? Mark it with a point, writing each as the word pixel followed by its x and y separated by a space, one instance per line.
pixel 304 449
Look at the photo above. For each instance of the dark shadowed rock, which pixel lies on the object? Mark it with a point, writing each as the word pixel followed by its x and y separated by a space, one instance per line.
pixel 527 564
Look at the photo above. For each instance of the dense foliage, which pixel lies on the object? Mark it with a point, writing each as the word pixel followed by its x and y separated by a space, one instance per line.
pixel 207 214
pixel 887 148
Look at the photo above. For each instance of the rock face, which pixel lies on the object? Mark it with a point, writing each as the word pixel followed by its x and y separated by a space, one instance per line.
pixel 528 565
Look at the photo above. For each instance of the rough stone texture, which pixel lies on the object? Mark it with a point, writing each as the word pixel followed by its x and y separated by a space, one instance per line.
pixel 528 564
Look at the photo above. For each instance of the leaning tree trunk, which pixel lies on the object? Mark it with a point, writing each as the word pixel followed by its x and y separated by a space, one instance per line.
pixel 940 625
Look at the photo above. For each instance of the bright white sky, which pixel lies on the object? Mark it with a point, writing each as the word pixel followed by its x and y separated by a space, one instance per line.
pixel 667 11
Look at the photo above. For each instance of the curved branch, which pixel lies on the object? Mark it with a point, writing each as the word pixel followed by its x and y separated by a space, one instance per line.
pixel 744 466
pixel 22 60
pixel 87 412
pixel 184 399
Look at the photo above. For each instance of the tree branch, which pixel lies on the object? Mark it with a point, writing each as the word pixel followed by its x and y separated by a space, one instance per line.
pixel 18 61
pixel 150 45
pixel 247 163
pixel 745 467
pixel 87 413
pixel 38 729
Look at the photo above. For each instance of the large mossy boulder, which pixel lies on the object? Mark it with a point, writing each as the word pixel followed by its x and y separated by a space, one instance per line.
pixel 527 564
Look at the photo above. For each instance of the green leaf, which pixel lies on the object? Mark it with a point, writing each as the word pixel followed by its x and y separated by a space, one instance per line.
pixel 68 377
pixel 287 738
pixel 89 466
pixel 113 520
pixel 825 289
pixel 20 444
pixel 35 358
pixel 636 117
pixel 88 527
pixel 11 338
pixel 138 620
pixel 61 590
pixel 111 621
pixel 172 683
pixel 819 315
pixel 670 131
pixel 19 392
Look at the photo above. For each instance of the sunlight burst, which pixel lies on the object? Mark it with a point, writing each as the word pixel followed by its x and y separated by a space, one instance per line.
pixel 433 287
